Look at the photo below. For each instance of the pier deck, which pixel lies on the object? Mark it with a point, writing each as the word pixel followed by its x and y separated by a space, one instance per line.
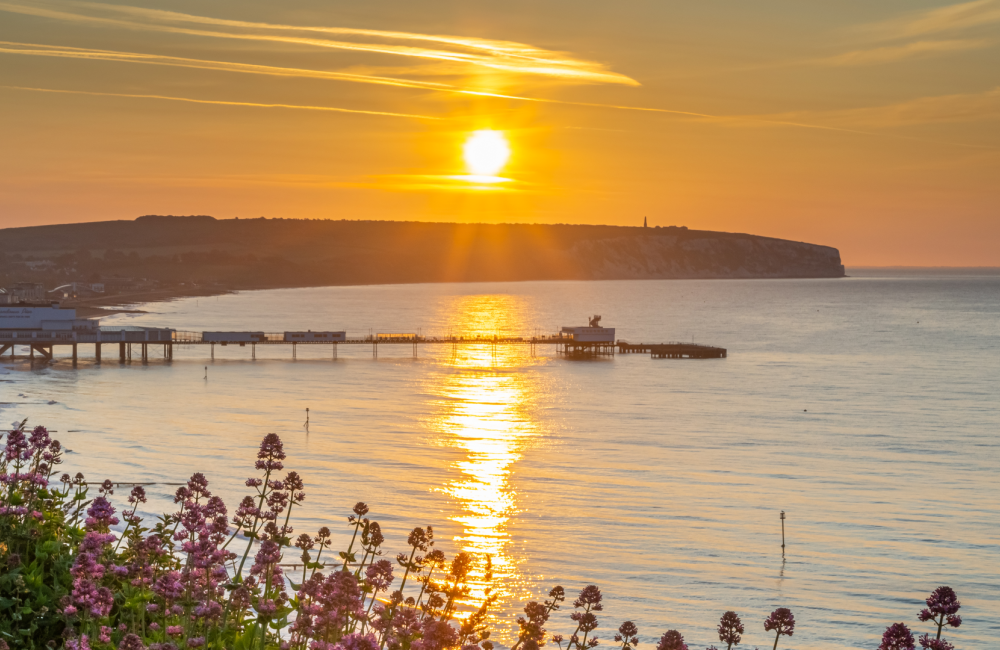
pixel 42 343
pixel 672 350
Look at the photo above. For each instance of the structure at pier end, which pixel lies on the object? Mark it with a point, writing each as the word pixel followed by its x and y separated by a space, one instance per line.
pixel 41 327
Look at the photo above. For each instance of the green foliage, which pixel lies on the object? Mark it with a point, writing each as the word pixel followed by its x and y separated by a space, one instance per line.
pixel 36 542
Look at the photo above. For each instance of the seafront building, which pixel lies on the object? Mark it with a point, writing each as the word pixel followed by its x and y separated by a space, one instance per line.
pixel 40 326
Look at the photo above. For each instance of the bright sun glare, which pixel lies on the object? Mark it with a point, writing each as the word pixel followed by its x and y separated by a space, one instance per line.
pixel 486 152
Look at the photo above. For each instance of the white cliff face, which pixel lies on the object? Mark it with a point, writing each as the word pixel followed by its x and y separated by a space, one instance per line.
pixel 712 255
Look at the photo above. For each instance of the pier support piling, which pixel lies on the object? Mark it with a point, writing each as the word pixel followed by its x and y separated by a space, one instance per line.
pixel 121 353
pixel 97 352
pixel 74 354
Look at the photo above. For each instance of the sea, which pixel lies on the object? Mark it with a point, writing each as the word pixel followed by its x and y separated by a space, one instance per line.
pixel 867 409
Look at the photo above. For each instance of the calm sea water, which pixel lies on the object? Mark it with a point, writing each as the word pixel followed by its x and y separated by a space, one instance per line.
pixel 867 408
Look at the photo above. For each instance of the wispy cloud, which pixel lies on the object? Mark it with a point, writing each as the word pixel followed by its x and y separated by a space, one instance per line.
pixel 953 18
pixel 504 56
pixel 218 102
pixel 31 49
pixel 917 35
pixel 967 107
pixel 59 51
pixel 892 53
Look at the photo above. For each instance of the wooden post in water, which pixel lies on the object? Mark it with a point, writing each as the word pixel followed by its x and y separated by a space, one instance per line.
pixel 782 532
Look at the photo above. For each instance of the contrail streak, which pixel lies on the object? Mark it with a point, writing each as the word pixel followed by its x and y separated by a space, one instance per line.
pixel 59 51
pixel 224 103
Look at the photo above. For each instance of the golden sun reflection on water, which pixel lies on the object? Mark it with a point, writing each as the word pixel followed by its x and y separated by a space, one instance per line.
pixel 485 411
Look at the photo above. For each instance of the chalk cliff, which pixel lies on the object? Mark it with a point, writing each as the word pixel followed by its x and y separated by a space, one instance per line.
pixel 706 255
pixel 268 253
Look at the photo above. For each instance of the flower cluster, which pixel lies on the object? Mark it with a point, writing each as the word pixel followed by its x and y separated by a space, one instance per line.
pixel 177 585
pixel 942 609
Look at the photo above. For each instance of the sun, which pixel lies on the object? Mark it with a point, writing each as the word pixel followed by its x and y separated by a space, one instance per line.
pixel 486 152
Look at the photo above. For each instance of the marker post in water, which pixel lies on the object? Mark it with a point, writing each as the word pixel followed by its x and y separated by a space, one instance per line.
pixel 782 532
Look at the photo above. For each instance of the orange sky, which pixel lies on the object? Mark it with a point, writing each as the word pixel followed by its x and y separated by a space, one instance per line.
pixel 872 127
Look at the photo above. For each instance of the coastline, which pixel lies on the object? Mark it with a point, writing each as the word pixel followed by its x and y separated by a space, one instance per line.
pixel 100 306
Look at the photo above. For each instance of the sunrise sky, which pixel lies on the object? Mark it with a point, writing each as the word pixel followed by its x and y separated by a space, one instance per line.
pixel 870 126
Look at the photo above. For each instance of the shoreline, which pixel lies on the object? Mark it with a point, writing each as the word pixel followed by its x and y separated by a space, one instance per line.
pixel 100 306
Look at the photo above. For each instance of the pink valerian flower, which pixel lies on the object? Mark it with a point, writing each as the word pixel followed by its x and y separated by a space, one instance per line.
pixel 266 560
pixel 356 641
pixel 671 640
pixel 271 453
pixel 379 575
pixel 146 552
pixel 80 643
pixel 87 596
pixel 897 637
pixel 131 642
pixel 267 572
pixel 942 609
pixel 590 601
pixel 105 634
pixel 730 629
pixel 781 622
pixel 169 587
pixel 92 599
pixel 435 635
pixel 39 438
pixel 100 515
pixel 929 643
pixel 327 604
pixel 628 635
pixel 18 448
pixel 536 615
pixel 203 531
pixel 590 598
pixel 138 495
pixel 399 627
pixel 246 512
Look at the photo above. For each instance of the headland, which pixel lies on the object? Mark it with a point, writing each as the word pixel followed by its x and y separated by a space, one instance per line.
pixel 162 257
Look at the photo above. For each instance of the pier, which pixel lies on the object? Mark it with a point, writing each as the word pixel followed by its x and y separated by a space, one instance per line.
pixel 147 343
pixel 44 328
